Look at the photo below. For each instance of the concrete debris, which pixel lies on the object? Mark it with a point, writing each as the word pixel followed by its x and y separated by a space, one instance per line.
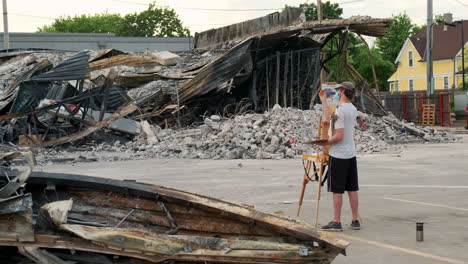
pixel 166 58
pixel 277 134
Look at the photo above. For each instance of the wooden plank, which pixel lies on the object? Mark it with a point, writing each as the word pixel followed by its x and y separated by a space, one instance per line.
pixel 238 256
pixel 285 79
pixel 278 63
pixel 39 256
pixel 281 225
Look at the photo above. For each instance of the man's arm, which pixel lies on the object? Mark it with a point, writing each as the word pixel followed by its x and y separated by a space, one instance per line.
pixel 339 134
pixel 337 137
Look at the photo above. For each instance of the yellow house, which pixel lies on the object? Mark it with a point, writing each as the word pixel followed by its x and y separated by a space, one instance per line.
pixel 410 74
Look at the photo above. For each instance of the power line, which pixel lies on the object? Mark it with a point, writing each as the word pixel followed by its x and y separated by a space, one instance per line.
pixel 25 15
pixel 461 3
pixel 349 2
pixel 228 9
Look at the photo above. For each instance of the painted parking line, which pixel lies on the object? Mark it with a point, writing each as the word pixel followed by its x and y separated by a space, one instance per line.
pixel 415 186
pixel 405 250
pixel 428 204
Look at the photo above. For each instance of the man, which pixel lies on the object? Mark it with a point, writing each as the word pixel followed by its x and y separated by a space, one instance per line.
pixel 342 167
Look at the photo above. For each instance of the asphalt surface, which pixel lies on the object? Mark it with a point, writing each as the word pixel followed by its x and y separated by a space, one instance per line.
pixel 425 182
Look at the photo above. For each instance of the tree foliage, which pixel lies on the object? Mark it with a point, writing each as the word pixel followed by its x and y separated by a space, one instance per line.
pixel 391 44
pixel 460 86
pixel 329 10
pixel 99 23
pixel 439 19
pixel 383 68
pixel 153 22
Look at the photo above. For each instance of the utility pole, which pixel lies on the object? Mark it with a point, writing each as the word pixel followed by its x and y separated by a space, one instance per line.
pixel 430 85
pixel 463 71
pixel 463 55
pixel 319 11
pixel 6 37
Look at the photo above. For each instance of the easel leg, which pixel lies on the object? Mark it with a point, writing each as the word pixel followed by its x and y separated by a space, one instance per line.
pixel 304 183
pixel 318 193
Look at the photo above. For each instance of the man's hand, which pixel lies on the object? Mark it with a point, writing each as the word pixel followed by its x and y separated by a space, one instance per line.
pixel 323 96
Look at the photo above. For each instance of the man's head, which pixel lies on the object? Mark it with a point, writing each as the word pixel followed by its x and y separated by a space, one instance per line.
pixel 347 89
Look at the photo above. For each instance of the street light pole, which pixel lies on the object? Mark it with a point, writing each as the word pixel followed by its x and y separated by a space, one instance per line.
pixel 463 70
pixel 6 36
pixel 429 48
pixel 463 54
pixel 319 11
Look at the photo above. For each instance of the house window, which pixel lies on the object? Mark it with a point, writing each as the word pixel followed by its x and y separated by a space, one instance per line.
pixel 410 59
pixel 397 86
pixel 446 82
pixel 391 86
pixel 411 85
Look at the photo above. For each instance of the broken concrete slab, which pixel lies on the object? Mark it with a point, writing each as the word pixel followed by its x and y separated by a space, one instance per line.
pixel 166 58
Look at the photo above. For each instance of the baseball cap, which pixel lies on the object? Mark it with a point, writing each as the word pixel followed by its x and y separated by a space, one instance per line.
pixel 346 85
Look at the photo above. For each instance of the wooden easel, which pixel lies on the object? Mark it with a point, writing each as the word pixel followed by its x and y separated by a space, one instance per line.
pixel 321 158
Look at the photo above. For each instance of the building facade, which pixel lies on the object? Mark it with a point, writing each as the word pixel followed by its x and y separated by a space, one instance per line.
pixel 95 41
pixel 410 74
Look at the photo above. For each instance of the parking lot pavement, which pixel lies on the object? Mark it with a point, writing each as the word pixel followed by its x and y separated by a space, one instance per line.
pixel 426 182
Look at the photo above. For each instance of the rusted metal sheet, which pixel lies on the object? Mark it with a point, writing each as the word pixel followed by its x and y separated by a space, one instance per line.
pixel 15 204
pixel 13 184
pixel 213 75
pixel 73 68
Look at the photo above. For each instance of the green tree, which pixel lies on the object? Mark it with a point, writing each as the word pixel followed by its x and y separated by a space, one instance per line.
pixel 383 68
pixel 153 22
pixel 329 10
pixel 391 44
pixel 460 86
pixel 99 23
pixel 439 19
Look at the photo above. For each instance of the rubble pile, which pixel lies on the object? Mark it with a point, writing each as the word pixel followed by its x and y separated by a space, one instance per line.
pixel 98 105
pixel 276 134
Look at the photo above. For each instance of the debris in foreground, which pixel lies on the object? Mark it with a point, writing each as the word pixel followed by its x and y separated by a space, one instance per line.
pixel 57 218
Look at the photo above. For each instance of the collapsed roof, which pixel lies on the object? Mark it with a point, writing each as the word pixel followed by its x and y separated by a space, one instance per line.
pixel 242 70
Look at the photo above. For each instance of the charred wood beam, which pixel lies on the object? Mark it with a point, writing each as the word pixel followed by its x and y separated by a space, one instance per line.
pixel 292 79
pixel 285 79
pixel 278 63
pixel 107 87
pixel 39 255
pixel 371 58
pixel 267 69
pixel 70 138
pixel 236 212
pixel 173 224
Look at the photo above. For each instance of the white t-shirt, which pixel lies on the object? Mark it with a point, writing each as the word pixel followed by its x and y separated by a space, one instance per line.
pixel 345 149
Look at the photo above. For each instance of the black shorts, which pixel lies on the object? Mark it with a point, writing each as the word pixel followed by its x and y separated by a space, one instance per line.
pixel 342 175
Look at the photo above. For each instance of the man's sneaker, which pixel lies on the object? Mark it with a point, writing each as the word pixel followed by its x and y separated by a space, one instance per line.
pixel 355 225
pixel 333 226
